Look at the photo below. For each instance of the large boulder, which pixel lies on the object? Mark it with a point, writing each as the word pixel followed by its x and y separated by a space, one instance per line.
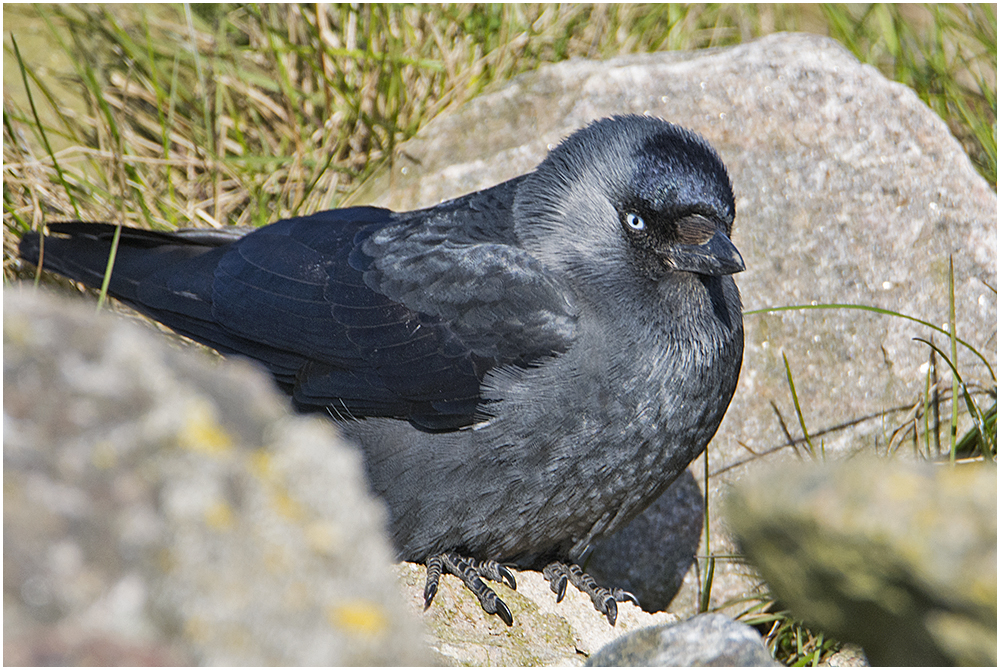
pixel 165 508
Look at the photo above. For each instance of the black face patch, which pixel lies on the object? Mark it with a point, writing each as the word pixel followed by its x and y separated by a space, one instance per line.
pixel 657 229
pixel 717 297
pixel 664 227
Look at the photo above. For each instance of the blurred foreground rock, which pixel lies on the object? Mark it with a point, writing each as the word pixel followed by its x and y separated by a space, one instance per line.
pixel 703 640
pixel 900 558
pixel 848 188
pixel 164 508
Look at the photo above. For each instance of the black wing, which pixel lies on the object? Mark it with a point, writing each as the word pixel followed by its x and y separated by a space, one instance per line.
pixel 370 313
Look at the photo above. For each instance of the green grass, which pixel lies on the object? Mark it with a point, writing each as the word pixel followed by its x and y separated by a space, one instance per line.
pixel 788 640
pixel 240 114
pixel 162 116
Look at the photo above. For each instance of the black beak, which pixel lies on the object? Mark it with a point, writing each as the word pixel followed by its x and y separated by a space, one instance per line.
pixel 717 256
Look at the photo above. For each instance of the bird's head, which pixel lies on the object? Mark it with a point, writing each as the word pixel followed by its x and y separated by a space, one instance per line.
pixel 631 192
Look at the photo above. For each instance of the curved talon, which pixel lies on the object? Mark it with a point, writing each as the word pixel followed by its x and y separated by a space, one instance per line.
pixel 555 574
pixel 611 610
pixel 489 600
pixel 496 572
pixel 621 595
pixel 508 577
pixel 429 592
pixel 560 588
pixel 503 612
pixel 434 566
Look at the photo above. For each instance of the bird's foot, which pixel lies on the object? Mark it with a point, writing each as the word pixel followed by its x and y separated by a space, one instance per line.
pixel 605 600
pixel 470 571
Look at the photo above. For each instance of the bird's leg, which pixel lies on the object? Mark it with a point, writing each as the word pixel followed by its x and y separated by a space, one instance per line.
pixel 605 600
pixel 470 571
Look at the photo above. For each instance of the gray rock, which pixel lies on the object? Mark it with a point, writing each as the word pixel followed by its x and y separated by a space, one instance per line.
pixel 164 508
pixel 900 558
pixel 849 190
pixel 651 555
pixel 704 640
pixel 544 632
pixel 848 656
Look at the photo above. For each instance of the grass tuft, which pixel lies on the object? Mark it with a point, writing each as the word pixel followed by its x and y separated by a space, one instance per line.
pixel 208 115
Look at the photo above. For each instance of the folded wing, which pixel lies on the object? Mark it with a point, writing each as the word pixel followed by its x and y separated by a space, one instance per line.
pixel 362 311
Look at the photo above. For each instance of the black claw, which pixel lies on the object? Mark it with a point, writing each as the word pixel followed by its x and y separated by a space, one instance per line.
pixel 493 604
pixel 508 576
pixel 498 573
pixel 611 610
pixel 503 612
pixel 560 588
pixel 430 591
pixel 557 575
pixel 622 595
pixel 434 567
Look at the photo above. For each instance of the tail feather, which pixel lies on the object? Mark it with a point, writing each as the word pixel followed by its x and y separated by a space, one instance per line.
pixel 166 276
pixel 80 251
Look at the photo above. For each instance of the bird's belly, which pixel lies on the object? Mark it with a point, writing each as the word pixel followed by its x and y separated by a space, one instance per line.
pixel 530 484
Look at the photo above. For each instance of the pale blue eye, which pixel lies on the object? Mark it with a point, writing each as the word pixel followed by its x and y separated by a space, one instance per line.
pixel 634 221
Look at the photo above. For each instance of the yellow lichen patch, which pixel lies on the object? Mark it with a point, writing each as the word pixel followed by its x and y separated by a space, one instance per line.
pixel 220 516
pixel 202 433
pixel 358 617
pixel 287 506
pixel 262 467
pixel 260 464
pixel 103 456
pixel 323 537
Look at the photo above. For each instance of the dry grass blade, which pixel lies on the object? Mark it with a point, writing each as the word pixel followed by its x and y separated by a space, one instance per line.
pixel 249 113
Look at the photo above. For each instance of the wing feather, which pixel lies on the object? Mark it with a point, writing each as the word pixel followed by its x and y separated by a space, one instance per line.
pixel 362 310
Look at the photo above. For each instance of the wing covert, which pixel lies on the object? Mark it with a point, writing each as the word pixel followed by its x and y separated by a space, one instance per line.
pixel 393 315
pixel 496 298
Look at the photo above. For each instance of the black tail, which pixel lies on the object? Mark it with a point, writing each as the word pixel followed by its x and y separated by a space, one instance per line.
pixel 80 251
pixel 166 276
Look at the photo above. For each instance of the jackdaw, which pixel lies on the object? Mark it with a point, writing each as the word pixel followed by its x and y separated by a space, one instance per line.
pixel 525 368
